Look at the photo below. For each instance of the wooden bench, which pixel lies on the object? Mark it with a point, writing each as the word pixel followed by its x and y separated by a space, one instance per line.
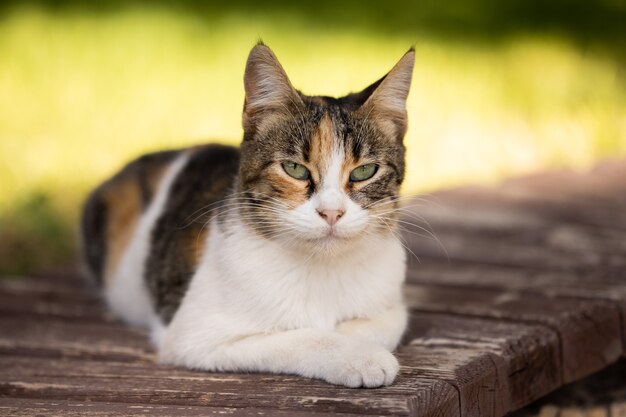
pixel 523 292
pixel 600 395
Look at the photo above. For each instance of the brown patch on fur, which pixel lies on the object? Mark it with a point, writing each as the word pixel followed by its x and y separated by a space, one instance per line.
pixel 154 179
pixel 123 199
pixel 196 244
pixel 322 142
pixel 293 191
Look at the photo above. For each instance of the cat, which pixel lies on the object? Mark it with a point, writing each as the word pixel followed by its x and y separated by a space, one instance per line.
pixel 278 256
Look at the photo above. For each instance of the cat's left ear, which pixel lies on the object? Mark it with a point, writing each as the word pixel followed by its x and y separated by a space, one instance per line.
pixel 384 102
pixel 267 86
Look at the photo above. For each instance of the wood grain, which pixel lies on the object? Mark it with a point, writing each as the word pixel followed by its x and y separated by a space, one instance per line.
pixel 19 407
pixel 514 352
pixel 602 394
pixel 590 331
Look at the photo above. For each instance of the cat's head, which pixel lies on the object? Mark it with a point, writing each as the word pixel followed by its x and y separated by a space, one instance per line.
pixel 321 172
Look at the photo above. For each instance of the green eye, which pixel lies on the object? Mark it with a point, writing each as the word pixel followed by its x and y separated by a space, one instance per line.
pixel 296 171
pixel 364 172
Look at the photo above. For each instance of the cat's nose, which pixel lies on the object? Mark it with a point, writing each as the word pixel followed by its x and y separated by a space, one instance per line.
pixel 331 216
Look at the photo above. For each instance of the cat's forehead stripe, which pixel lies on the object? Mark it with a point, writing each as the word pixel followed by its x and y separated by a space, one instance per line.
pixel 323 142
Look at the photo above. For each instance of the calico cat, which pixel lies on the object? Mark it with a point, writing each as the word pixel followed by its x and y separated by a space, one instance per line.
pixel 278 256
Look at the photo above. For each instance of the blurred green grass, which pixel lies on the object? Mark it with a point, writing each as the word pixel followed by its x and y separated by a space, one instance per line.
pixel 500 88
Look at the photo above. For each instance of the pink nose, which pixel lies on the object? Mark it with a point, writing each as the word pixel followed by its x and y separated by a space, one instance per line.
pixel 331 216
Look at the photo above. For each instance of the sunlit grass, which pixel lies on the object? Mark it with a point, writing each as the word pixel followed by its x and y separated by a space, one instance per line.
pixel 80 94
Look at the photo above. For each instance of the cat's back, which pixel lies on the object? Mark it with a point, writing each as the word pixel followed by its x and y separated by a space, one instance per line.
pixel 145 225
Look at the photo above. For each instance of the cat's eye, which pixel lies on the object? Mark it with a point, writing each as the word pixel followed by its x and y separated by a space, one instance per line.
pixel 295 170
pixel 364 172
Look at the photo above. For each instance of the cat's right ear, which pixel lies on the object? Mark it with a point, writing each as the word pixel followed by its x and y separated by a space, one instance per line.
pixel 384 102
pixel 267 86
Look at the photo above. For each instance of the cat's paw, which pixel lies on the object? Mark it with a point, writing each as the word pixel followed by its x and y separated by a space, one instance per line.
pixel 364 366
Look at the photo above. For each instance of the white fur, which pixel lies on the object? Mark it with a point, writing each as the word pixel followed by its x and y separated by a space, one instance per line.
pixel 127 294
pixel 254 306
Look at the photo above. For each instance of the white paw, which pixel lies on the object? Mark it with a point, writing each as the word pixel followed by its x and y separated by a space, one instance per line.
pixel 362 366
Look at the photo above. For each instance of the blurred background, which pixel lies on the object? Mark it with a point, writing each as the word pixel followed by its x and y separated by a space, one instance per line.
pixel 500 88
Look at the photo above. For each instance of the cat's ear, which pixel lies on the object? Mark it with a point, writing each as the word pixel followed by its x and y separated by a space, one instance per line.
pixel 384 102
pixel 266 85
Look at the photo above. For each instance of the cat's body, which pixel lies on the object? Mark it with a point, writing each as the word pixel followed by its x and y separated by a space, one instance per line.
pixel 279 256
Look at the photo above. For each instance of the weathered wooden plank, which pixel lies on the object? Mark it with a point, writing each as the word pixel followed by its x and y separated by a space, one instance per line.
pixel 79 289
pixel 22 368
pixel 51 295
pixel 440 399
pixel 53 305
pixel 582 211
pixel 589 330
pixel 41 407
pixel 131 390
pixel 603 285
pixel 135 383
pixel 603 393
pixel 52 331
pixel 474 374
pixel 511 353
pixel 106 342
pixel 491 235
pixel 561 220
pixel 102 341
pixel 477 386
pixel 30 290
pixel 466 385
pixel 58 338
pixel 230 386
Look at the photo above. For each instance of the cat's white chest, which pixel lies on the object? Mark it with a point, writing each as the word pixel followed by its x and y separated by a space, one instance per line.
pixel 249 283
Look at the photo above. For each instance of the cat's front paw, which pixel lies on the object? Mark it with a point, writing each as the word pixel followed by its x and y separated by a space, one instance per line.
pixel 364 366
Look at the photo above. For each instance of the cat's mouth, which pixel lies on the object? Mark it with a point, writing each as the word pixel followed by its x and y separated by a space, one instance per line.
pixel 333 234
pixel 327 236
